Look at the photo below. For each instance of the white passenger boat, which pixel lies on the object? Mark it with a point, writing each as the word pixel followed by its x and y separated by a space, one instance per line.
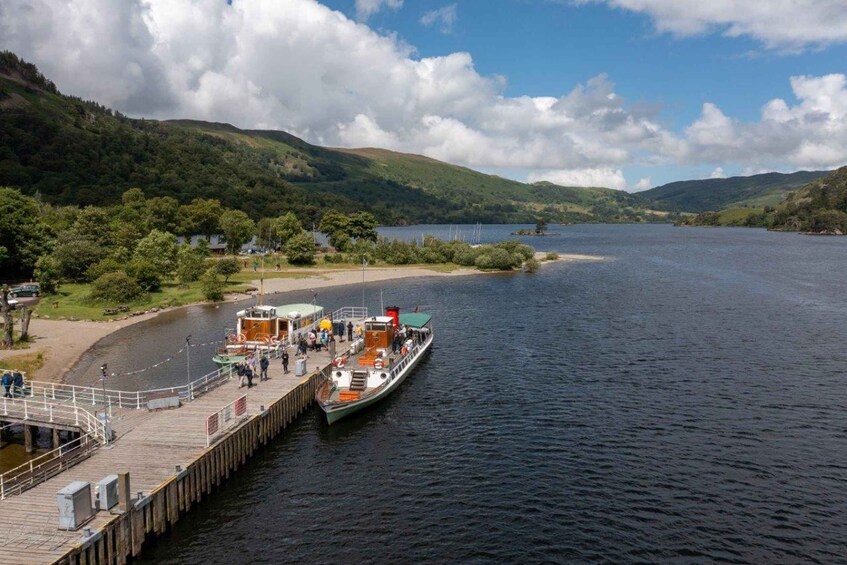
pixel 375 365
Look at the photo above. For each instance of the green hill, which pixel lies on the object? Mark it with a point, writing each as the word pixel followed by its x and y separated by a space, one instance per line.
pixel 818 207
pixel 71 151
pixel 755 191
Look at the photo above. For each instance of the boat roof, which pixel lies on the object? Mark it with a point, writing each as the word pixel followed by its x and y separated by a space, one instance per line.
pixel 415 319
pixel 381 319
pixel 303 309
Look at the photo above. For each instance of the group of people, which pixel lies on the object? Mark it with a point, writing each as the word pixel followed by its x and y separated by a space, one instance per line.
pixel 246 370
pixel 13 383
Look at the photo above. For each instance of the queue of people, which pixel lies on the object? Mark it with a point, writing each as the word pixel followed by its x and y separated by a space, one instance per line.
pixel 13 384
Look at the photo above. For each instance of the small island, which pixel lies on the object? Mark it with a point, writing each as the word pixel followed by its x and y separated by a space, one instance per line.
pixel 540 230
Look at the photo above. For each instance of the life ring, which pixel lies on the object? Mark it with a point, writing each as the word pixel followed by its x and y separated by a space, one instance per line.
pixel 338 362
pixel 378 363
pixel 403 350
pixel 241 338
pixel 266 340
pixel 275 340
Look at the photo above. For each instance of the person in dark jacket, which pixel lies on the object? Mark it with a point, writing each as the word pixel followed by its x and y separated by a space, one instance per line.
pixel 242 374
pixel 284 361
pixel 249 374
pixel 18 384
pixel 264 363
pixel 7 384
pixel 349 331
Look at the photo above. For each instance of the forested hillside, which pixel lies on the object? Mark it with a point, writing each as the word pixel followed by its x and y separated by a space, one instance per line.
pixel 755 191
pixel 70 151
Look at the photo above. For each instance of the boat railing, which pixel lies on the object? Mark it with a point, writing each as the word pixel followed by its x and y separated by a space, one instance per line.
pixel 345 313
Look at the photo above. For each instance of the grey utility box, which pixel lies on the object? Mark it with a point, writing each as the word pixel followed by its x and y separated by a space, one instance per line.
pixel 299 367
pixel 107 492
pixel 74 503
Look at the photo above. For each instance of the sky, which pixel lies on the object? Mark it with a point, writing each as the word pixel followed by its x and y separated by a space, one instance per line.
pixel 627 94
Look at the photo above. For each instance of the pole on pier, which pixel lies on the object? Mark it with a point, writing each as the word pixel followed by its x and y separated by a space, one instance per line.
pixel 364 264
pixel 188 366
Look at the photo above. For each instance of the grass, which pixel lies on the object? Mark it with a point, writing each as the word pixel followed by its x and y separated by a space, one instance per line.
pixel 29 363
pixel 736 216
pixel 73 301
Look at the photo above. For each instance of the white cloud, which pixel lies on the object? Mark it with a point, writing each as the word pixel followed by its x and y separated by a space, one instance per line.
pixel 642 184
pixel 445 16
pixel 717 173
pixel 781 24
pixel 367 8
pixel 605 177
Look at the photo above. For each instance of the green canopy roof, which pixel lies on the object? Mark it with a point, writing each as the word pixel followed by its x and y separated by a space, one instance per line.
pixel 415 320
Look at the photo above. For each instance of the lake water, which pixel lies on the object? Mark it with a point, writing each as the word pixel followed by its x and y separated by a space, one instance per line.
pixel 683 400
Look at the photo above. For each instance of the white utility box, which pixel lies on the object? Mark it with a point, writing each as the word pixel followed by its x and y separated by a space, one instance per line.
pixel 299 367
pixel 107 492
pixel 74 503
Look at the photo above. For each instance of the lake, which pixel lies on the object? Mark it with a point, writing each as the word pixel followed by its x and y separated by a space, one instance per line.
pixel 682 400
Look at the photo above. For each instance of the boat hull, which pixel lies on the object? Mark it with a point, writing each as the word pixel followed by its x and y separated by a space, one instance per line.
pixel 335 412
pixel 223 361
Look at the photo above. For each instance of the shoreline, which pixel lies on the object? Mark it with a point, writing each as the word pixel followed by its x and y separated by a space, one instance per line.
pixel 64 342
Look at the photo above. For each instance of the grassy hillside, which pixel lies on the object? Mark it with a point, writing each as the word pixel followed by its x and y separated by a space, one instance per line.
pixel 755 191
pixel 818 207
pixel 71 151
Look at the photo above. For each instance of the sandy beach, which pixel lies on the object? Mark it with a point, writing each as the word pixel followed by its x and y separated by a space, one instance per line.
pixel 62 342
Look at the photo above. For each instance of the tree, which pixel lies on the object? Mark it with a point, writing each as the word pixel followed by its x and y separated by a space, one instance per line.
pixel 300 249
pixel 237 228
pixel 362 226
pixel 75 253
pixel 540 225
pixel 266 235
pixel 227 267
pixel 146 274
pixel 190 263
pixel 203 217
pixel 211 285
pixel 7 317
pixel 47 274
pixel 94 224
pixel 22 233
pixel 287 226
pixel 115 287
pixel 164 215
pixel 334 222
pixel 158 249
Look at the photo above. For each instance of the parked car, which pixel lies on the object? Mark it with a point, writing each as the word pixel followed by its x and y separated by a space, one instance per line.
pixel 25 290
pixel 13 304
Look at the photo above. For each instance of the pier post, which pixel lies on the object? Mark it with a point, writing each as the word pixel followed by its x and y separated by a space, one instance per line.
pixel 57 440
pixel 123 491
pixel 28 446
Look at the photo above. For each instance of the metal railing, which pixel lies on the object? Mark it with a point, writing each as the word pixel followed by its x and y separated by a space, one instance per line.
pixel 345 313
pixel 48 465
pixel 38 411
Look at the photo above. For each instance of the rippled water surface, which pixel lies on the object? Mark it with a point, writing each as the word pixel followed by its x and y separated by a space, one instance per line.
pixel 682 400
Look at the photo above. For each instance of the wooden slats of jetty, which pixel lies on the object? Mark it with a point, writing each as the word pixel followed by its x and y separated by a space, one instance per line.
pixel 150 446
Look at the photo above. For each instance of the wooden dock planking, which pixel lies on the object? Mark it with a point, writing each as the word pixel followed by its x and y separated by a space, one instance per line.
pixel 149 446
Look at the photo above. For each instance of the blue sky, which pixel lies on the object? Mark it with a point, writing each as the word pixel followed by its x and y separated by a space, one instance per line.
pixel 627 94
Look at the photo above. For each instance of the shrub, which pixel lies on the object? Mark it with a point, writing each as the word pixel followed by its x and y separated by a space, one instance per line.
pixel 465 257
pixel 190 264
pixel 551 256
pixel 115 287
pixel 530 265
pixel 497 258
pixel 107 265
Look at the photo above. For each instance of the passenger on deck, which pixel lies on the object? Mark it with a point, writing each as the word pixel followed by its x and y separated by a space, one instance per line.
pixel 349 331
pixel 7 384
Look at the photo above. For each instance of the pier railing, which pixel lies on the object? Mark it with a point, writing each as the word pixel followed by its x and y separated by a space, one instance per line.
pixel 38 411
pixel 47 465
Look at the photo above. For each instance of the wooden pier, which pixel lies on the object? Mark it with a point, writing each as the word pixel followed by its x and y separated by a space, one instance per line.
pixel 168 463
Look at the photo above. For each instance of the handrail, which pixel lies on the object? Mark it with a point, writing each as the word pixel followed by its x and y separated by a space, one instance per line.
pixel 41 468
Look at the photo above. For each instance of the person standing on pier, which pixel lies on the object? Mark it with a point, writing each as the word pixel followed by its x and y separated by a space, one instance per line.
pixel 263 364
pixel 7 384
pixel 285 361
pixel 349 331
pixel 249 373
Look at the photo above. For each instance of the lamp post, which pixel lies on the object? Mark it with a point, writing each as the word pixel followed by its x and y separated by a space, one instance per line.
pixel 106 425
pixel 188 366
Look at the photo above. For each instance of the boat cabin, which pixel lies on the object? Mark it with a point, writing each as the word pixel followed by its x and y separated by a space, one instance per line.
pixel 275 324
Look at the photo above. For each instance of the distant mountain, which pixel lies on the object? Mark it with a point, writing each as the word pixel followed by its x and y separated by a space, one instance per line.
pixel 71 151
pixel 755 191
